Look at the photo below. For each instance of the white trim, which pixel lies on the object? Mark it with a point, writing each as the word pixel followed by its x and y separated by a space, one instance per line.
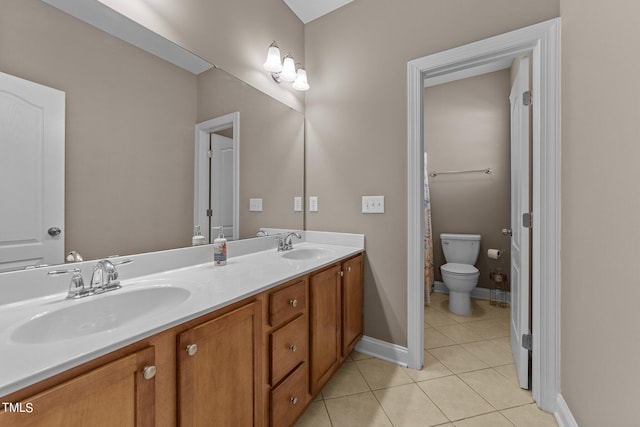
pixel 542 42
pixel 101 16
pixel 563 415
pixel 383 350
pixel 200 186
pixel 477 292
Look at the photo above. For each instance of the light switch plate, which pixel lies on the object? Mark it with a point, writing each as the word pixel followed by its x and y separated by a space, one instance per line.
pixel 313 203
pixel 372 204
pixel 297 204
pixel 255 205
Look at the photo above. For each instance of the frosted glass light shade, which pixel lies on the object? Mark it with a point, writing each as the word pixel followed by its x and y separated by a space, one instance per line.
pixel 301 80
pixel 288 73
pixel 273 64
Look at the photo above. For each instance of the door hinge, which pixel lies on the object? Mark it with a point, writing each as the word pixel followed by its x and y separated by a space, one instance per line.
pixel 527 220
pixel 526 98
pixel 210 154
pixel 209 212
pixel 527 342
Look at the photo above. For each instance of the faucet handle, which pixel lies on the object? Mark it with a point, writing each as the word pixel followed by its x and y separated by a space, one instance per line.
pixel 76 286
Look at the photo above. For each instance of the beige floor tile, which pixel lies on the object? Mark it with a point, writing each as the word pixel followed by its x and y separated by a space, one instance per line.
pixel 489 352
pixel 509 372
pixel 457 359
pixel 434 339
pixel 380 374
pixel 496 389
pixel 359 356
pixel 494 419
pixel 437 298
pixel 407 405
pixel 455 398
pixel 504 342
pixel 314 416
pixel 347 380
pixel 356 411
pixel 432 368
pixel 530 416
pixel 488 329
pixel 438 318
pixel 460 333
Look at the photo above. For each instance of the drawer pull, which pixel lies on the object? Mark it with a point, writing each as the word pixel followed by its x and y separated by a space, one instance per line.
pixel 192 349
pixel 293 302
pixel 294 400
pixel 148 372
pixel 293 348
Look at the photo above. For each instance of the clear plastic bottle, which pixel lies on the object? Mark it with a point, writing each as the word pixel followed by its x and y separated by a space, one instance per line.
pixel 198 239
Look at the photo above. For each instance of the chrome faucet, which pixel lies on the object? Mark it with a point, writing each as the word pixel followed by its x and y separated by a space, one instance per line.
pixel 285 244
pixel 103 279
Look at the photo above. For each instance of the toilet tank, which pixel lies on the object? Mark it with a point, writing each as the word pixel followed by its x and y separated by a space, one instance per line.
pixel 460 248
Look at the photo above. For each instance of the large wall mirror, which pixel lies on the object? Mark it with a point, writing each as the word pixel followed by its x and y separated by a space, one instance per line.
pixel 130 135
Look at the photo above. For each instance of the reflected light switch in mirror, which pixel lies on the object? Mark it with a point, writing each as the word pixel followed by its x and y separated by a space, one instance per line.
pixel 255 205
pixel 313 203
pixel 297 204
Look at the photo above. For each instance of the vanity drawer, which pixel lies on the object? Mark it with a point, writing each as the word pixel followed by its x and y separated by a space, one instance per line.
pixel 289 399
pixel 288 348
pixel 288 302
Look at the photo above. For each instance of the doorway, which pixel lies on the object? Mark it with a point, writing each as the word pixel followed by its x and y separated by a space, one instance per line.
pixel 217 177
pixel 541 42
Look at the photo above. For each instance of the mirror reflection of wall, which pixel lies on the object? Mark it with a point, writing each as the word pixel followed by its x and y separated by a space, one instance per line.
pixel 129 163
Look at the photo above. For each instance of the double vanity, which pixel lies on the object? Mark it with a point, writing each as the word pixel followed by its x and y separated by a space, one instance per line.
pixel 182 342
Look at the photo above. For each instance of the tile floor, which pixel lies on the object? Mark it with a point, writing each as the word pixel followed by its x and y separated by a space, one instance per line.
pixel 468 380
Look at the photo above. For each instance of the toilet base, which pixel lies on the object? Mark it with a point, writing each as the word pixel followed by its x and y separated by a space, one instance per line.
pixel 460 303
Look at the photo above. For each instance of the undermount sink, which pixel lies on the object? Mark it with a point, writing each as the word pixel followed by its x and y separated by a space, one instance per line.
pixel 97 314
pixel 307 253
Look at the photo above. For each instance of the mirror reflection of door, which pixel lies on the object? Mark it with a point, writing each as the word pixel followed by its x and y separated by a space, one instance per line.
pixel 221 184
pixel 32 141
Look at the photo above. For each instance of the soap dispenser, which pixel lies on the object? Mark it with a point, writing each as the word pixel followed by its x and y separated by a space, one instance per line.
pixel 198 239
pixel 220 248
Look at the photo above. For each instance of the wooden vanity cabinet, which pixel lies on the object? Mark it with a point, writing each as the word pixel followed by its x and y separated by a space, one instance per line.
pixel 286 333
pixel 219 370
pixel 335 306
pixel 116 394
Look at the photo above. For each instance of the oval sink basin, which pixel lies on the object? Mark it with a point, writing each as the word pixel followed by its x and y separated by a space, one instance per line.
pixel 89 316
pixel 307 253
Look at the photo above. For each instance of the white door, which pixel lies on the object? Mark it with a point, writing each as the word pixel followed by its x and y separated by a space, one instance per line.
pixel 32 126
pixel 222 184
pixel 520 232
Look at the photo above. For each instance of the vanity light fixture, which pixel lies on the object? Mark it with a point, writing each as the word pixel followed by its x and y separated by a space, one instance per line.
pixel 286 70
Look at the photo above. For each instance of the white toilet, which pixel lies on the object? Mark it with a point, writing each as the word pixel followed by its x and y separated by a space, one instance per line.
pixel 459 275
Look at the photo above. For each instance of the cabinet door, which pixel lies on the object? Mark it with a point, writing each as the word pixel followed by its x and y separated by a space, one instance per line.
pixel 116 394
pixel 325 319
pixel 352 299
pixel 218 370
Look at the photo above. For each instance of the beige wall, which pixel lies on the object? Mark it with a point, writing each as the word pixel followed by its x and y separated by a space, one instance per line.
pixel 124 160
pixel 356 123
pixel 600 342
pixel 234 35
pixel 271 149
pixel 467 127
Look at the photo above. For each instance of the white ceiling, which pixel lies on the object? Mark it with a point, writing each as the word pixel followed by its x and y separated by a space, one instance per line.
pixel 308 10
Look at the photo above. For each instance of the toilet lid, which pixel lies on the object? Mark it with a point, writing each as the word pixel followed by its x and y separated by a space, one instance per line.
pixel 453 267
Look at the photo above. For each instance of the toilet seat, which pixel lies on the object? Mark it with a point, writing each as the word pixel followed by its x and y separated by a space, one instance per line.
pixel 462 269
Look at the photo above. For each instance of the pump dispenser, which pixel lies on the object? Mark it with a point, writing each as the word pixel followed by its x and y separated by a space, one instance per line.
pixel 198 239
pixel 220 248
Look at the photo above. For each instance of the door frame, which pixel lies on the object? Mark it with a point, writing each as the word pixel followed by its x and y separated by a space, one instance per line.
pixel 541 41
pixel 200 193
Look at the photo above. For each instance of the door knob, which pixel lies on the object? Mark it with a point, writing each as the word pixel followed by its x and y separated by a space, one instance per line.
pixel 54 231
pixel 507 232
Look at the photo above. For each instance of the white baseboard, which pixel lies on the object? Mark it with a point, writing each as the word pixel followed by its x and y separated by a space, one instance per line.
pixel 563 414
pixel 383 350
pixel 478 293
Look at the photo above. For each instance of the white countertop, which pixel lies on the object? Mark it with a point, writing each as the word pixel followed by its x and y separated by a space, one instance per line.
pixel 211 287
